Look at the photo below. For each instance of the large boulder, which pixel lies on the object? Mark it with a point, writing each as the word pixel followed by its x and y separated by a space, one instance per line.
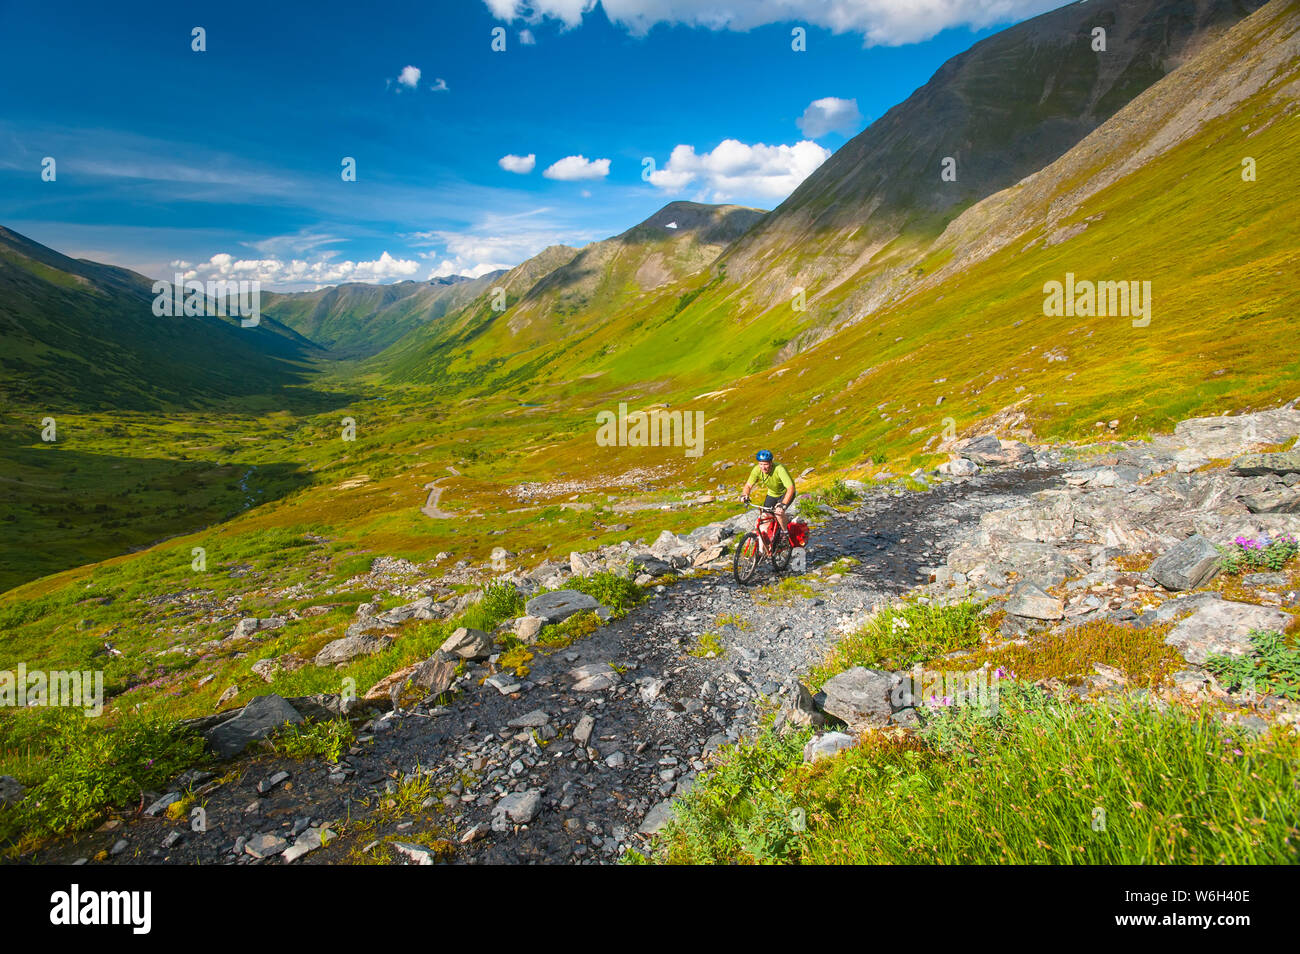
pixel 860 697
pixel 255 721
pixel 560 605
pixel 1187 564
pixel 1261 465
pixel 1030 602
pixel 348 648
pixel 1222 627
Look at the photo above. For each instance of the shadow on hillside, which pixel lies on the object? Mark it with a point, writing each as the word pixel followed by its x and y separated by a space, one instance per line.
pixel 61 509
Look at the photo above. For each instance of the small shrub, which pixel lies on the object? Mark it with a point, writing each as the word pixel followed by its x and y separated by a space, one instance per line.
pixel 501 601
pixel 609 589
pixel 708 646
pixel 1272 668
pixel 1263 554
pixel 327 740
pixel 838 493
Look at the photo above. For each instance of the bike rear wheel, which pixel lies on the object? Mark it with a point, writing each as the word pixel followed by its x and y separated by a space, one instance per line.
pixel 747 557
pixel 781 551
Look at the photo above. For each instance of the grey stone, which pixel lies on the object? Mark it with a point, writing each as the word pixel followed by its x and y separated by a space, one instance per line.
pixel 1261 465
pixel 503 682
pixel 1274 501
pixel 582 731
pixel 860 697
pixel 257 720
pixel 1187 564
pixel 1030 602
pixel 651 565
pixel 348 648
pixel 1222 627
pixel 657 817
pixel 560 605
pixel 530 720
pixel 162 803
pixel 11 790
pixel 468 644
pixel 594 677
pixel 1264 579
pixel 415 854
pixel 265 846
pixel 828 744
pixel 307 842
pixel 526 627
pixel 520 807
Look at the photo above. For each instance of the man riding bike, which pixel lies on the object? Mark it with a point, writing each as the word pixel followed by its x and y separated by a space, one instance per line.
pixel 776 481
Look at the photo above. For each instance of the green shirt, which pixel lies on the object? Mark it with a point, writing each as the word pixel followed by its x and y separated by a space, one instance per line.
pixel 775 483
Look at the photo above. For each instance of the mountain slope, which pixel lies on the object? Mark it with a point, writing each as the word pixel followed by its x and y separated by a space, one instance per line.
pixel 358 320
pixel 79 333
pixel 1003 109
pixel 557 308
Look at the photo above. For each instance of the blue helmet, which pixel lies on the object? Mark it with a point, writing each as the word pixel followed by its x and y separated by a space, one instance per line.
pixel 763 455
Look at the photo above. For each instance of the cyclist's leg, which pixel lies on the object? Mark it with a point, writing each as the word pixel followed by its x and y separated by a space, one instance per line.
pixel 768 501
pixel 782 517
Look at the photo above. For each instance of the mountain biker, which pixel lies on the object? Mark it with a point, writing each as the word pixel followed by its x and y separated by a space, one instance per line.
pixel 776 480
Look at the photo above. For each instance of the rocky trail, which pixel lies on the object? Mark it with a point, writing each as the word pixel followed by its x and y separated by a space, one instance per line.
pixel 580 758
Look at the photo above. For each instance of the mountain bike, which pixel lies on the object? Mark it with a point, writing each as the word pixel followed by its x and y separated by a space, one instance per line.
pixel 767 539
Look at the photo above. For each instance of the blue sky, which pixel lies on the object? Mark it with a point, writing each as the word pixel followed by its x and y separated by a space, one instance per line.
pixel 229 160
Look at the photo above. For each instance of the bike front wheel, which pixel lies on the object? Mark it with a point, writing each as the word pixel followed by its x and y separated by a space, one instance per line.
pixel 747 556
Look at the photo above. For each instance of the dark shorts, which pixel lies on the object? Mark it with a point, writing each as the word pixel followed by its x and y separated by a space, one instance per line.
pixel 771 501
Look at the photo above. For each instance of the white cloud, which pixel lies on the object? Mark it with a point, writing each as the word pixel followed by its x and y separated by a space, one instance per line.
pixel 439 85
pixel 526 38
pixel 410 77
pixel 574 168
pixel 883 22
pixel 496 241
pixel 829 114
pixel 737 169
pixel 295 272
pixel 520 164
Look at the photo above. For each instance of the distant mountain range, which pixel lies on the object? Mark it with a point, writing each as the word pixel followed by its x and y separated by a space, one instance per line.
pixel 1037 120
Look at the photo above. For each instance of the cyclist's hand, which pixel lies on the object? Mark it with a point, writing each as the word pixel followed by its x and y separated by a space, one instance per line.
pixel 744 498
pixel 780 508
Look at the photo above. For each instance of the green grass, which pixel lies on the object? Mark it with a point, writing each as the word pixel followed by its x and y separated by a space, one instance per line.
pixel 78 768
pixel 901 635
pixel 1046 782
pixel 327 740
